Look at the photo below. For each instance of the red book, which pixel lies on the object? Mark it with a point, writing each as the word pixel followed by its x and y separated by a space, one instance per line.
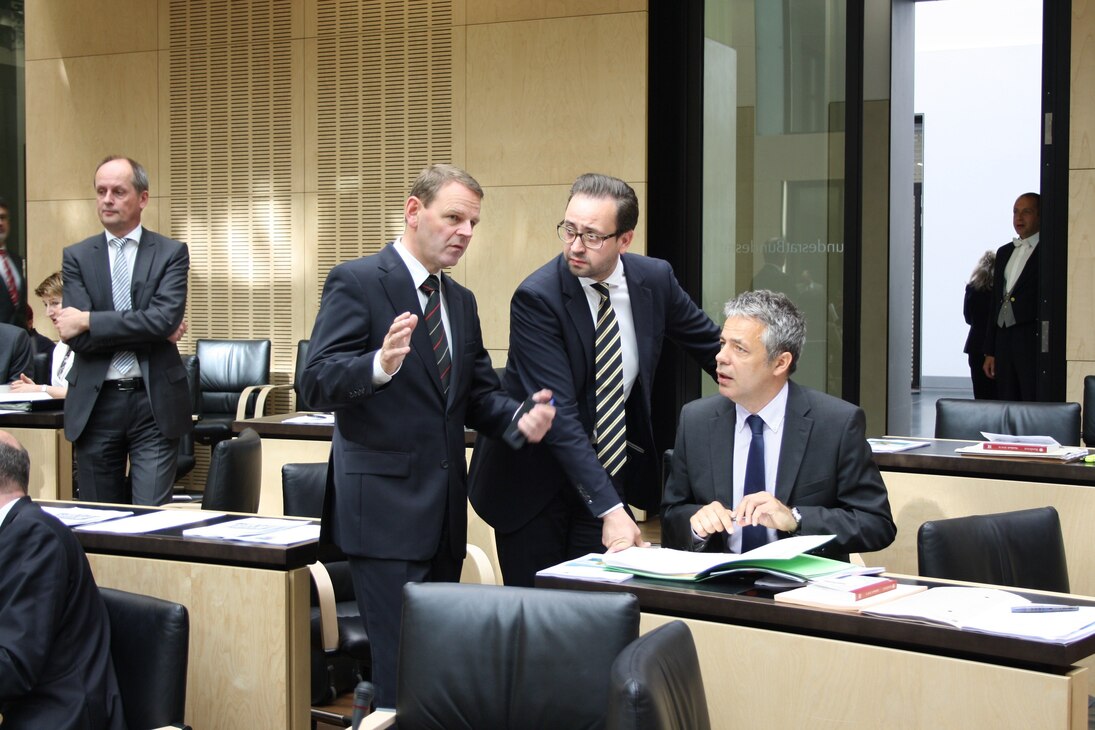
pixel 859 586
pixel 1006 446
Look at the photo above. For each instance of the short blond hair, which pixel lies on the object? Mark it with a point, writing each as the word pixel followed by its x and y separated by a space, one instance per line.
pixel 51 286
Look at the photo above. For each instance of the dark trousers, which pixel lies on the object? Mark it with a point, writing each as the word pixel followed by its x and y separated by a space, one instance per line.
pixel 984 387
pixel 378 586
pixel 121 426
pixel 1017 361
pixel 562 531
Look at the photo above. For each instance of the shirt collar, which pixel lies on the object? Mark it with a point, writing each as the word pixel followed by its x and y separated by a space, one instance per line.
pixel 7 508
pixel 418 271
pixel 1032 241
pixel 134 235
pixel 615 279
pixel 772 414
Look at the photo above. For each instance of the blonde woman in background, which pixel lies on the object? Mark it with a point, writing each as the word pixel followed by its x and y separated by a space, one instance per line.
pixel 49 291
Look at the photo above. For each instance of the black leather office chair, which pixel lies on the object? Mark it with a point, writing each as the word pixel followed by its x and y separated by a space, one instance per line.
pixel 40 368
pixel 150 647
pixel 232 373
pixel 1089 410
pixel 497 656
pixel 957 418
pixel 235 474
pixel 186 461
pixel 656 683
pixel 1024 549
pixel 339 643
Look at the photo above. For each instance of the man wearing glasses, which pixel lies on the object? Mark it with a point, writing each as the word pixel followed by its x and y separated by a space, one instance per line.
pixel 588 325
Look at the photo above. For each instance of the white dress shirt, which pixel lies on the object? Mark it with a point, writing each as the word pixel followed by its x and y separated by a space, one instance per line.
pixel 1024 247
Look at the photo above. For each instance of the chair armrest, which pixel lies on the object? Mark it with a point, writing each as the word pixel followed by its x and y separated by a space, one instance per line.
pixel 260 402
pixel 378 720
pixel 265 391
pixel 328 619
pixel 478 568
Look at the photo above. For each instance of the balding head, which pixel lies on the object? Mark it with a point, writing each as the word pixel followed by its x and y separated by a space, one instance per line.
pixel 14 468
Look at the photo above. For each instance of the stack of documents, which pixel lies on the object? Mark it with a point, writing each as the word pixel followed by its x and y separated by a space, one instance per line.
pixel 266 530
pixel 784 558
pixel 989 611
pixel 587 567
pixel 75 516
pixel 151 521
pixel 1023 447
pixel 891 446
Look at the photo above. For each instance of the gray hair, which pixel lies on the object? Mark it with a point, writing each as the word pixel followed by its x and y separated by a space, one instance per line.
pixel 435 177
pixel 595 185
pixel 140 175
pixel 14 469
pixel 784 325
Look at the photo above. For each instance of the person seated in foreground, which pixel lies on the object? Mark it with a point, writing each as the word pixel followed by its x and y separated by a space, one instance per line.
pixel 768 458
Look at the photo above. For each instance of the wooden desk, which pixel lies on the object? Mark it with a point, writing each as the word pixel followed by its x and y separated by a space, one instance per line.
pixel 794 666
pixel 288 443
pixel 249 619
pixel 934 482
pixel 42 434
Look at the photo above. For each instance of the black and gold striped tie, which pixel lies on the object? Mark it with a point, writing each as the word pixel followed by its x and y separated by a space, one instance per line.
pixel 610 430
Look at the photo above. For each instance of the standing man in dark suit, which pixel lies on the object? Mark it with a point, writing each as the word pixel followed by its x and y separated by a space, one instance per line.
pixel 1011 338
pixel 13 284
pixel 397 353
pixel 55 666
pixel 767 458
pixel 567 496
pixel 15 353
pixel 124 297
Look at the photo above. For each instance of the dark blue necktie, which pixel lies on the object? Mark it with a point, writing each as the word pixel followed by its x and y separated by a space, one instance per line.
pixel 754 537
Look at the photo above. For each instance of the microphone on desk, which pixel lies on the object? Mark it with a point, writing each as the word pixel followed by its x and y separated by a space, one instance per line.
pixel 364 693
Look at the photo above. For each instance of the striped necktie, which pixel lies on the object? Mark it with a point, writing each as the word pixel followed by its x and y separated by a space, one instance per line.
pixel 432 287
pixel 9 277
pixel 610 429
pixel 123 360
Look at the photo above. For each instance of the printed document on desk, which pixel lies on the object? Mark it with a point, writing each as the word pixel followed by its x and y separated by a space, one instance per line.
pixel 74 516
pixel 266 530
pixel 785 558
pixel 151 521
pixel 587 567
pixel 988 611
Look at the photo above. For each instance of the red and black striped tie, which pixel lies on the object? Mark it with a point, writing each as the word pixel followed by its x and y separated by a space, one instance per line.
pixel 432 287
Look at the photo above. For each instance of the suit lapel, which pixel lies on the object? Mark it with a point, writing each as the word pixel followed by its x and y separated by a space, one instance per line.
pixel 721 452
pixel 454 305
pixel 399 288
pixel 796 434
pixel 142 268
pixel 103 294
pixel 577 307
pixel 642 314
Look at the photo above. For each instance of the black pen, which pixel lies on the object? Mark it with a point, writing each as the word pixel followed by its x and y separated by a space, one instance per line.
pixel 1043 608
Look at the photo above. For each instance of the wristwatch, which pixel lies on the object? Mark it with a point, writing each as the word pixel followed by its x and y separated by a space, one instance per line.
pixel 798 519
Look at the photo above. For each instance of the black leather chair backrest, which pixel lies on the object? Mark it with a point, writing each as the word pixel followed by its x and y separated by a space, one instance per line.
pixel 957 418
pixel 302 489
pixel 498 656
pixel 227 367
pixel 298 368
pixel 40 368
pixel 150 646
pixel 657 685
pixel 1023 549
pixel 235 474
pixel 186 460
pixel 1089 410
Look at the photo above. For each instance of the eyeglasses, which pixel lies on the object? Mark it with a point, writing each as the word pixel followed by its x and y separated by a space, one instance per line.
pixel 589 240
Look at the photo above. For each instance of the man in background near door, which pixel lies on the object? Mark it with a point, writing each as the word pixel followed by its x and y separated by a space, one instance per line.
pixel 124 299
pixel 589 325
pixel 1011 338
pixel 13 285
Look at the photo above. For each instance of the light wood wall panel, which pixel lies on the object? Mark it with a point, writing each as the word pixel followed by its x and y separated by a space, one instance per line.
pixel 1081 150
pixel 68 28
pixel 496 11
pixel 543 106
pixel 1079 341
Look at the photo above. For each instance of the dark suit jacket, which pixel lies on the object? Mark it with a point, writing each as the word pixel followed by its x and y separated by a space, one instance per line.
pixel 551 346
pixel 10 313
pixel 825 470
pixel 159 302
pixel 15 353
pixel 1024 297
pixel 397 456
pixel 976 309
pixel 55 666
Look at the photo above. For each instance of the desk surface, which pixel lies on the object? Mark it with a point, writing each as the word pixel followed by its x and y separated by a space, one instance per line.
pixel 169 544
pixel 275 427
pixel 724 602
pixel 939 457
